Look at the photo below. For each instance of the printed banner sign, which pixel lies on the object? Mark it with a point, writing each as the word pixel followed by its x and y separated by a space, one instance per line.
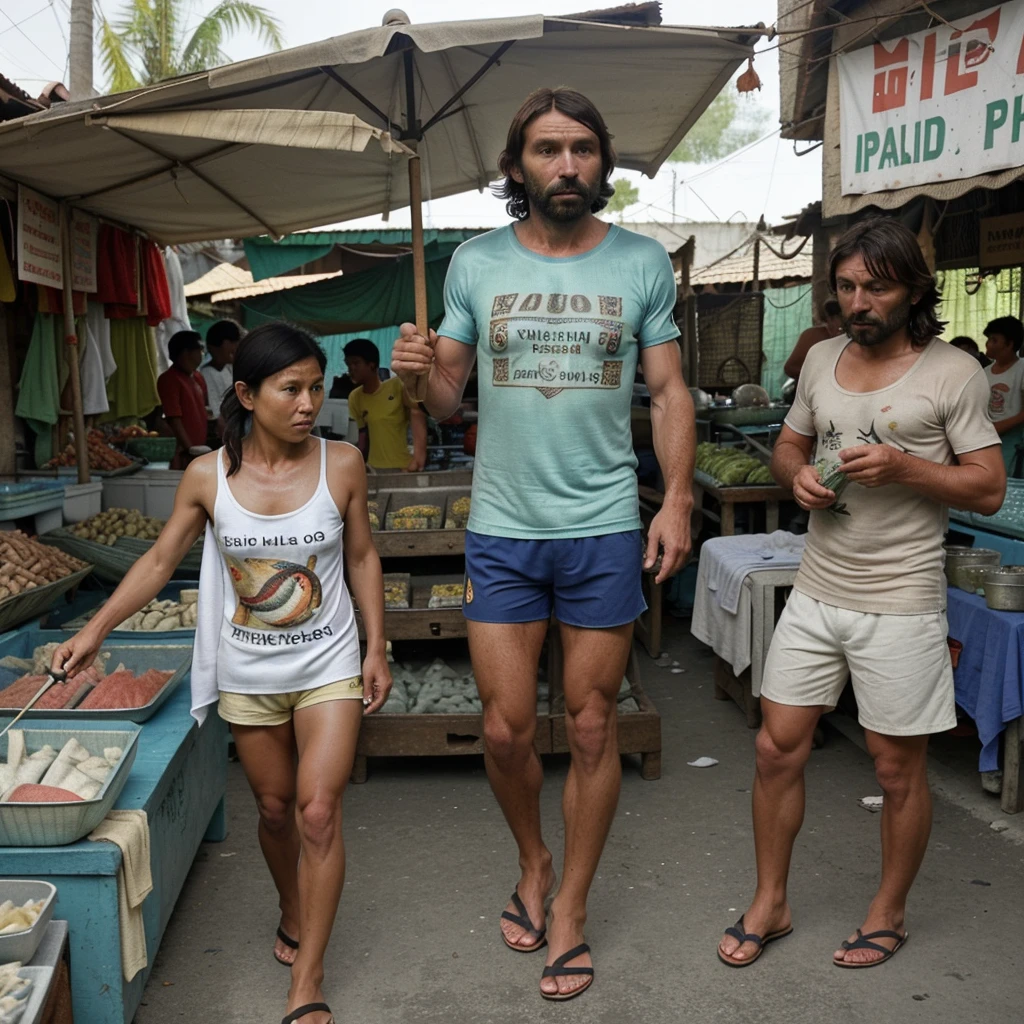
pixel 39 252
pixel 84 234
pixel 938 105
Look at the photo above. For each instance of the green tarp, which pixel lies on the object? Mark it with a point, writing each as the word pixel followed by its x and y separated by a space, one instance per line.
pixel 357 302
pixel 268 258
pixel 787 312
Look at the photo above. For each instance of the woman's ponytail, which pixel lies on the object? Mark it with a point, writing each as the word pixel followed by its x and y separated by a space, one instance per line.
pixel 234 415
pixel 267 350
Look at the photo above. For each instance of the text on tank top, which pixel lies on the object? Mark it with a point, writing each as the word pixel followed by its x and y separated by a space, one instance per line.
pixel 288 622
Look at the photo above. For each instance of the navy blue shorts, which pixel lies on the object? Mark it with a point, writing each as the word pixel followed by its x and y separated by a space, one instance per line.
pixel 590 582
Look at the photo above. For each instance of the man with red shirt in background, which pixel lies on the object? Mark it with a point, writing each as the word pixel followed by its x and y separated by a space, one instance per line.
pixel 183 394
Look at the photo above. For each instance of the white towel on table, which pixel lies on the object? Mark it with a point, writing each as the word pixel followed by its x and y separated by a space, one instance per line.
pixel 731 559
pixel 726 633
pixel 130 831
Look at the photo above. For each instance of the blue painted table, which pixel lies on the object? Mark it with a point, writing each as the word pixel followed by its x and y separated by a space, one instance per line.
pixel 989 681
pixel 178 778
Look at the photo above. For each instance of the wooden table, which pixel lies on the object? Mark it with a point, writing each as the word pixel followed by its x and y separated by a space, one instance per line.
pixel 989 682
pixel 769 495
pixel 178 778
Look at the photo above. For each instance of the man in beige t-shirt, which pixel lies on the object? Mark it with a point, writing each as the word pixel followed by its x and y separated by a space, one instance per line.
pixel 897 423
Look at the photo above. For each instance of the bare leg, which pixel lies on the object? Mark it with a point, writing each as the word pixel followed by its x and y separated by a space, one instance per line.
pixel 901 767
pixel 783 747
pixel 326 735
pixel 595 662
pixel 267 754
pixel 505 657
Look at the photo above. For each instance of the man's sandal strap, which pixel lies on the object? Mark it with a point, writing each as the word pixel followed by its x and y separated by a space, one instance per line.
pixel 864 941
pixel 736 932
pixel 287 939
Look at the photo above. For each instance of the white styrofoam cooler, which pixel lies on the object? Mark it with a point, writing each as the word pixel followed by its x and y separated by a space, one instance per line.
pixel 151 491
pixel 82 501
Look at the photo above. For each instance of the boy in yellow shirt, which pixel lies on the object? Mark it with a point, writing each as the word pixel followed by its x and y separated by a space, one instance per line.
pixel 384 412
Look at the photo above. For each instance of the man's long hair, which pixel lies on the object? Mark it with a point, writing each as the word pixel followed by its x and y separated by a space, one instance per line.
pixel 891 253
pixel 566 101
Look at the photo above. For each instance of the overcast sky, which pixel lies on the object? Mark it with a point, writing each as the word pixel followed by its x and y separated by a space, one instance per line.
pixel 768 178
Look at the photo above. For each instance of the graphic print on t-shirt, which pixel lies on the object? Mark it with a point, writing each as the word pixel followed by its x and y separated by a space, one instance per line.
pixel 997 401
pixel 554 342
pixel 273 593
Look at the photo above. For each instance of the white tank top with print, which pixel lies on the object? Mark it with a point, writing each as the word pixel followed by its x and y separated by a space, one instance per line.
pixel 287 621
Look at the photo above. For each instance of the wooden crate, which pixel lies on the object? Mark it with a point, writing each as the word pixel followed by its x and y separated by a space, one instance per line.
pixel 419 622
pixel 639 731
pixel 429 736
pixel 418 543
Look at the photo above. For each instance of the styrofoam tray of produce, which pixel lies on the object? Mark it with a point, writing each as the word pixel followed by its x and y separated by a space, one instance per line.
pixel 57 824
pixel 137 658
pixel 22 946
pixel 171 592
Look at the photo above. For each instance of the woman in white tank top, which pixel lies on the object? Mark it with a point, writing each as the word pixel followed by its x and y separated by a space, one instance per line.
pixel 276 640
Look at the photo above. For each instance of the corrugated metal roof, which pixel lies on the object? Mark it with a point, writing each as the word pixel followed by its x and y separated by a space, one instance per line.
pixel 270 285
pixel 738 266
pixel 223 276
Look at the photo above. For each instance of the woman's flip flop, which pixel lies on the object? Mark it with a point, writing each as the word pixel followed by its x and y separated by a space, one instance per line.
pixel 289 942
pixel 738 932
pixel 522 919
pixel 308 1008
pixel 864 942
pixel 559 970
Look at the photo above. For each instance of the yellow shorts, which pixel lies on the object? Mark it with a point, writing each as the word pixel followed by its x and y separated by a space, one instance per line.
pixel 278 708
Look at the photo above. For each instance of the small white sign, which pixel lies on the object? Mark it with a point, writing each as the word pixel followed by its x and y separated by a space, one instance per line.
pixel 39 252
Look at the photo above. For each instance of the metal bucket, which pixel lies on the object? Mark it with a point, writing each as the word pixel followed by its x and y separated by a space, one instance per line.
pixel 969 577
pixel 960 556
pixel 1004 588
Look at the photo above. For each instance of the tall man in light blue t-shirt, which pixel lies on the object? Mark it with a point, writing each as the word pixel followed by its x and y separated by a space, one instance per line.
pixel 556 309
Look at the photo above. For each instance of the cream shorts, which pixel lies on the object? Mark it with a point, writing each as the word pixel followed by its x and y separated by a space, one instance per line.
pixel 278 708
pixel 900 667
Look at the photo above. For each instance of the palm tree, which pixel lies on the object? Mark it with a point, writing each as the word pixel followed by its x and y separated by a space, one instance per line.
pixel 149 42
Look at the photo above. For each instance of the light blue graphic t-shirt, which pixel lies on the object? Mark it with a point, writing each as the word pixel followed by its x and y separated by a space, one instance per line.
pixel 557 346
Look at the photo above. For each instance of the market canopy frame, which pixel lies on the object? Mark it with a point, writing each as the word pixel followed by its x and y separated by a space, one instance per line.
pixel 257 147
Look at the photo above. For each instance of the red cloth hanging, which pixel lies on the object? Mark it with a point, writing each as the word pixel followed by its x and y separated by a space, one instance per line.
pixel 51 300
pixel 158 294
pixel 117 274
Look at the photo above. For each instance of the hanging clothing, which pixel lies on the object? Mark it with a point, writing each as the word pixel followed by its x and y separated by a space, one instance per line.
pixel 51 300
pixel 154 276
pixel 39 388
pixel 178 319
pixel 131 390
pixel 96 362
pixel 117 272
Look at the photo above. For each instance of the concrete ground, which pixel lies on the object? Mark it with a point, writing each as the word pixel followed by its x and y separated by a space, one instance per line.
pixel 431 866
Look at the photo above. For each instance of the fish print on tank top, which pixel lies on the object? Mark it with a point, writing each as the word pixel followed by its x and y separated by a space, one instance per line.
pixel 273 593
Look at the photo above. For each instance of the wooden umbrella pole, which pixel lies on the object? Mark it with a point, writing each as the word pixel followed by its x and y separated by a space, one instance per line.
pixel 419 266
pixel 71 341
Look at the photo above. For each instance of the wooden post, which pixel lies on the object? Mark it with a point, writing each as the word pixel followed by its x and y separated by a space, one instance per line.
pixel 419 265
pixel 71 341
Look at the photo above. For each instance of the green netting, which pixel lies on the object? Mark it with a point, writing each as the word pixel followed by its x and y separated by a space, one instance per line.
pixel 787 312
pixel 967 314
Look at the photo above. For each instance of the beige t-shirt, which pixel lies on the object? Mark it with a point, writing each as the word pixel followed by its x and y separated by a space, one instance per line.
pixel 879 549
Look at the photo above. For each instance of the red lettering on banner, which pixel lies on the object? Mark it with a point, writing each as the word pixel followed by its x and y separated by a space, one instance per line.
pixel 928 67
pixel 890 87
pixel 974 51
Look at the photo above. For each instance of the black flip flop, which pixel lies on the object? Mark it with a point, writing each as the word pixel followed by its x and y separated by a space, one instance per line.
pixel 522 919
pixel 308 1008
pixel 559 970
pixel 864 942
pixel 738 932
pixel 289 942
